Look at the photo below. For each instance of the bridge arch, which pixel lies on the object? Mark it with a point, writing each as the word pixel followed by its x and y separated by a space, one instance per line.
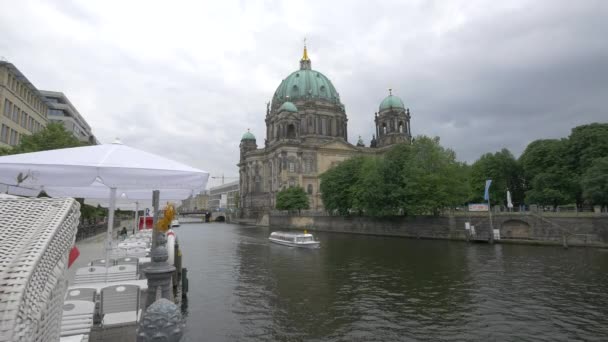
pixel 516 229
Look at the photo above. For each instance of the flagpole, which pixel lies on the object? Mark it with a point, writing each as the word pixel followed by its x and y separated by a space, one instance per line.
pixel 491 226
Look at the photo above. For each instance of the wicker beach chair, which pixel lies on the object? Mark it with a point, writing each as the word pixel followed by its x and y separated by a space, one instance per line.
pixel 37 235
pixel 119 305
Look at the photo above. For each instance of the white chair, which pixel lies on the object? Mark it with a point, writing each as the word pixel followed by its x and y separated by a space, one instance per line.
pixel 121 273
pixel 86 294
pixel 77 317
pixel 102 262
pixel 119 305
pixel 90 274
pixel 137 251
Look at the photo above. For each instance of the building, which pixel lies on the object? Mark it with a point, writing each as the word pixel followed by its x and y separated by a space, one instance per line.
pixel 306 134
pixel 24 110
pixel 62 110
pixel 224 197
pixel 195 203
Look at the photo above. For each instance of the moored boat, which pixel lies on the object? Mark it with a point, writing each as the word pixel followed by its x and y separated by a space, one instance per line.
pixel 175 223
pixel 303 240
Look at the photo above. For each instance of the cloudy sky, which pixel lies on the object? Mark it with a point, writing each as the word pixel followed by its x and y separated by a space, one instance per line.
pixel 188 78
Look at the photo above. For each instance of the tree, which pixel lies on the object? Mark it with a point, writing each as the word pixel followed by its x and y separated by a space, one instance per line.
pixel 504 171
pixel 337 185
pixel 293 198
pixel 53 136
pixel 594 182
pixel 432 178
pixel 585 144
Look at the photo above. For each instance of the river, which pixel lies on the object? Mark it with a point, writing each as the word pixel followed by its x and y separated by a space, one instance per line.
pixel 368 288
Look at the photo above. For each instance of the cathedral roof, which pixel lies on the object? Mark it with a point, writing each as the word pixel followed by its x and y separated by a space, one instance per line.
pixel 391 101
pixel 248 136
pixel 288 106
pixel 306 84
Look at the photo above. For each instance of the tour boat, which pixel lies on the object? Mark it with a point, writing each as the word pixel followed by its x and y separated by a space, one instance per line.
pixel 175 223
pixel 304 240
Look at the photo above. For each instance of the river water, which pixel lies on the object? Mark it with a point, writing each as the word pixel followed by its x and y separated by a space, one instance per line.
pixel 367 288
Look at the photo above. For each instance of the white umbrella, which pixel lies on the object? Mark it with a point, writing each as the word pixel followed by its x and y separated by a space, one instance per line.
pixel 84 171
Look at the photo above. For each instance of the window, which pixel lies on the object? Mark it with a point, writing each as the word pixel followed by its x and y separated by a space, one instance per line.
pixel 292 167
pixel 13 138
pixel 291 131
pixel 15 116
pixel 4 134
pixel 24 117
pixel 309 190
pixel 8 108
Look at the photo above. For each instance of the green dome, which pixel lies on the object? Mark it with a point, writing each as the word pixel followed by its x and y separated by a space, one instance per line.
pixel 288 106
pixel 248 136
pixel 306 83
pixel 392 101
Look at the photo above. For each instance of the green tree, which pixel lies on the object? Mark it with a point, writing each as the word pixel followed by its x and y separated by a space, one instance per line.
pixel 504 171
pixel 337 185
pixel 547 177
pixel 293 198
pixel 53 136
pixel 432 178
pixel 370 192
pixel 595 182
pixel 585 144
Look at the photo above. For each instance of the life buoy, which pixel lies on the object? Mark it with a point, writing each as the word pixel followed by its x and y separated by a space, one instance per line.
pixel 171 247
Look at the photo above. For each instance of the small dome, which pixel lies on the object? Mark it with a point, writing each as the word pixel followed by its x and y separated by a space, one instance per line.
pixel 392 101
pixel 248 136
pixel 288 106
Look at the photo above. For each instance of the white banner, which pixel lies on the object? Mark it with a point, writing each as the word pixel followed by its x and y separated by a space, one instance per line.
pixel 478 207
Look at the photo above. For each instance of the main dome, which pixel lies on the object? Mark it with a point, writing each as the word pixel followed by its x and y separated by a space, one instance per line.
pixel 306 84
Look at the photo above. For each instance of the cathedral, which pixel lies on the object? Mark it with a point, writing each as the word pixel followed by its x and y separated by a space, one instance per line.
pixel 306 134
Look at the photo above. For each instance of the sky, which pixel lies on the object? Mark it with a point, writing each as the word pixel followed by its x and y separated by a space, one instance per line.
pixel 186 79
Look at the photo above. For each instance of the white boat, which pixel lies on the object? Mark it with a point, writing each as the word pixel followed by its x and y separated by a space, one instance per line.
pixel 175 223
pixel 304 240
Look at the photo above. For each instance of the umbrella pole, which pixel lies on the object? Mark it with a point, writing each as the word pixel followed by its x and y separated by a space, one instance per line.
pixel 136 216
pixel 155 205
pixel 110 221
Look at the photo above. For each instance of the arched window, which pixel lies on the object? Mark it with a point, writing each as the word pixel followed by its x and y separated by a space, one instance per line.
pixel 400 126
pixel 384 128
pixel 291 131
pixel 309 190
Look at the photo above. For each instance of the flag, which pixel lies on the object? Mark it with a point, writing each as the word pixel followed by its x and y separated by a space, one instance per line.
pixel 486 195
pixel 509 203
pixel 74 253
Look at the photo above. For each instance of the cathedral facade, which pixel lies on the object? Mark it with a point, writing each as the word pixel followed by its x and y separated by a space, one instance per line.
pixel 306 134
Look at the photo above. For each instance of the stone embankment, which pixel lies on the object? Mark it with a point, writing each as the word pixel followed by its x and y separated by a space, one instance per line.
pixel 529 228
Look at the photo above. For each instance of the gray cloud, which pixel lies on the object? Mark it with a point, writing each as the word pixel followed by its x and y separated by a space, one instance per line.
pixel 187 80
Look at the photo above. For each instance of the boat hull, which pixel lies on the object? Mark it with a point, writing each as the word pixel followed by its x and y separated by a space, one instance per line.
pixel 309 245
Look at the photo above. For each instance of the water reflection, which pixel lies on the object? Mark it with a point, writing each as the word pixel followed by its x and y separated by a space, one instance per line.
pixel 384 289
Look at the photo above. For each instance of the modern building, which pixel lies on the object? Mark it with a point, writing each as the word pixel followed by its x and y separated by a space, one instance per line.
pixel 306 134
pixel 224 197
pixel 24 110
pixel 62 110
